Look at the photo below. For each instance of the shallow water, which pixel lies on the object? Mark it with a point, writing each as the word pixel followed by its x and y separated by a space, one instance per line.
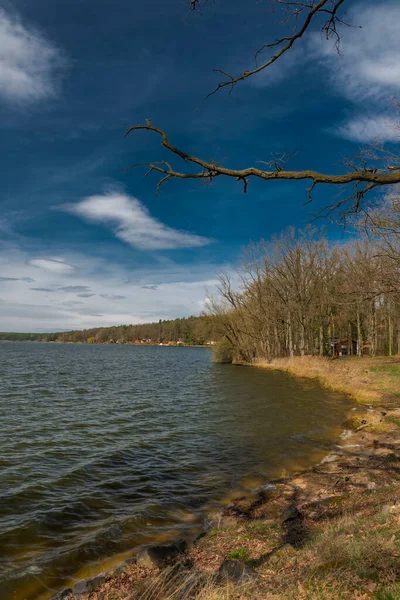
pixel 104 448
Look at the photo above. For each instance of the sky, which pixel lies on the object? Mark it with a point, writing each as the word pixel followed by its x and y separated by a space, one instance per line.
pixel 85 242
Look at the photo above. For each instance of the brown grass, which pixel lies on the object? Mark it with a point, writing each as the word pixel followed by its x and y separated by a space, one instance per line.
pixel 366 380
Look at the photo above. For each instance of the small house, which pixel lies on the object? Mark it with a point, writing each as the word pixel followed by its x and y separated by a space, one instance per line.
pixel 343 346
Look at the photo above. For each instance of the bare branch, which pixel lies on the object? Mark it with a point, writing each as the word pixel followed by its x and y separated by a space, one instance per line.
pixel 365 179
pixel 286 43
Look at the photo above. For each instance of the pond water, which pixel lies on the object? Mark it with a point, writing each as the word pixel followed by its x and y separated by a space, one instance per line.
pixel 105 448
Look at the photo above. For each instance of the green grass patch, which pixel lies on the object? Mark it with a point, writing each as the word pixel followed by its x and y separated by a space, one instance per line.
pixel 239 554
pixel 392 370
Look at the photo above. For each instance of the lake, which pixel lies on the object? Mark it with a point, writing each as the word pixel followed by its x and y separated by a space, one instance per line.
pixel 105 448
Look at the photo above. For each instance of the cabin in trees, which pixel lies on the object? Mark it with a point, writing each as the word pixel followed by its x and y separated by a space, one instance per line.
pixel 343 347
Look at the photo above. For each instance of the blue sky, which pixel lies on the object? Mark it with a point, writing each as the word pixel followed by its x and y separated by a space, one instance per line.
pixel 85 243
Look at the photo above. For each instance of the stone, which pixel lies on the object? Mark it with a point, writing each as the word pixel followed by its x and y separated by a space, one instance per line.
pixel 291 514
pixel 234 571
pixel 120 569
pixel 87 586
pixel 64 595
pixel 160 556
pixel 371 485
pixel 330 458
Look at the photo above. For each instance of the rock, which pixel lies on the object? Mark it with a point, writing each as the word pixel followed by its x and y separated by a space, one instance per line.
pixel 64 595
pixel 234 571
pixel 291 514
pixel 160 556
pixel 120 569
pixel 143 560
pixel 330 458
pixel 87 586
pixel 371 485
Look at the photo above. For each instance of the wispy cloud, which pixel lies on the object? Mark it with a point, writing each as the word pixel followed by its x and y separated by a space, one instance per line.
pixel 132 223
pixel 59 300
pixel 112 297
pixel 367 70
pixel 52 265
pixel 75 288
pixel 27 279
pixel 29 63
pixel 368 66
pixel 370 128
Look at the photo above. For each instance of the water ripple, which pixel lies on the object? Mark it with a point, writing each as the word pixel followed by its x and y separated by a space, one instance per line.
pixel 108 447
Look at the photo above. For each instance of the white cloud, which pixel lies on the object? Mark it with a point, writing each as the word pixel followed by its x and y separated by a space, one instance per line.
pixel 370 128
pixel 52 265
pixel 367 70
pixel 118 295
pixel 368 66
pixel 132 223
pixel 28 62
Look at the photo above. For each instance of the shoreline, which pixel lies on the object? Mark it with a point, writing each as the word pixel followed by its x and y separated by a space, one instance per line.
pixel 358 377
pixel 360 473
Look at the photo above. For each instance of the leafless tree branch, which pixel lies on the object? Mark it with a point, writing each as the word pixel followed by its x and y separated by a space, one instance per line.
pixel 284 44
pixel 365 179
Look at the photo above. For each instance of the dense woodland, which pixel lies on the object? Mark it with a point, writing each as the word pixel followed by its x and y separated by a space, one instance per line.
pixel 189 331
pixel 300 295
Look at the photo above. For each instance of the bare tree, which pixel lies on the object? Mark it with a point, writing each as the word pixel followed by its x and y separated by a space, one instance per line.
pixel 300 296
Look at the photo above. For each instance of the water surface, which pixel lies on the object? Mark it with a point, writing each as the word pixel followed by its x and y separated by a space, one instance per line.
pixel 104 448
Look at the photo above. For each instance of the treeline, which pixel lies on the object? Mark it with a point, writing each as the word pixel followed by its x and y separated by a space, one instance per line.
pixel 20 337
pixel 189 331
pixel 300 295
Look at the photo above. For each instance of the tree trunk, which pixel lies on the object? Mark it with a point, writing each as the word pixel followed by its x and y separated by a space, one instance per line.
pixel 373 328
pixel 390 331
pixel 359 332
pixel 290 337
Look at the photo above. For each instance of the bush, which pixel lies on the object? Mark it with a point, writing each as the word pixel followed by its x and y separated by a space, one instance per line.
pixel 223 351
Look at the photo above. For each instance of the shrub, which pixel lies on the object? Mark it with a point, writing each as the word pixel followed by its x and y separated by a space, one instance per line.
pixel 223 351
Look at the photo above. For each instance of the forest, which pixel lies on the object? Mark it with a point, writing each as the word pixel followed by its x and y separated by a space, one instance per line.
pixel 193 331
pixel 301 295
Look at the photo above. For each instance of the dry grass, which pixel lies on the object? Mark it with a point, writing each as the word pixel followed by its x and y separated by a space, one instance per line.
pixel 366 380
pixel 174 584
